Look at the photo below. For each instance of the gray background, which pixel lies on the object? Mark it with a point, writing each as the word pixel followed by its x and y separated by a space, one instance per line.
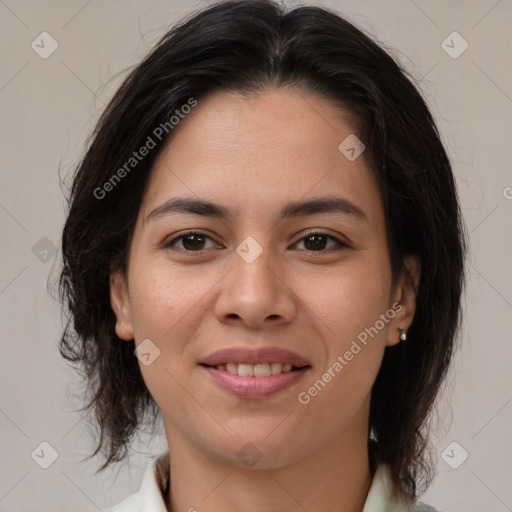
pixel 48 107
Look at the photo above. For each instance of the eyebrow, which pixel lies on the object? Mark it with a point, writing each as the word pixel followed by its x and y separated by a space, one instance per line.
pixel 205 208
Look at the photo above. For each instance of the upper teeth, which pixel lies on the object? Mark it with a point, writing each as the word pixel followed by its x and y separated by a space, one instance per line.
pixel 255 370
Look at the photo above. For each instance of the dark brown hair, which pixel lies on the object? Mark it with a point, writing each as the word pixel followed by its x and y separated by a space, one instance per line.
pixel 247 46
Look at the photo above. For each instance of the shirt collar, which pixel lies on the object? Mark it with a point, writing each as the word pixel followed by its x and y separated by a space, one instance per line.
pixel 380 496
pixel 156 480
pixel 154 483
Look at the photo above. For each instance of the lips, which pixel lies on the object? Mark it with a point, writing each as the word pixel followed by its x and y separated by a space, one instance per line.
pixel 255 373
pixel 246 356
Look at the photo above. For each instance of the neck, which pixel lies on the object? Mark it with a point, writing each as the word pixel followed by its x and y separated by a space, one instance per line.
pixel 337 477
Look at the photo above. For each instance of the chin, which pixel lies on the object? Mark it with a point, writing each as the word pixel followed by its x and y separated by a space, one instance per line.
pixel 267 447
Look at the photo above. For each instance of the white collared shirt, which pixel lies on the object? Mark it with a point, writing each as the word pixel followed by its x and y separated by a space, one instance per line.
pixel 149 498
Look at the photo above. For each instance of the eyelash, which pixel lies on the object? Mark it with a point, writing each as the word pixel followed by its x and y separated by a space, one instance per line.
pixel 341 245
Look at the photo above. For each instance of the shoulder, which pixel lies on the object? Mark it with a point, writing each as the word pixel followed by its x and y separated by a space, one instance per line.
pixel 381 497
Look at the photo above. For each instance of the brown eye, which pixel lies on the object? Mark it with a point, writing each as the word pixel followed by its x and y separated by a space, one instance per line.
pixel 190 242
pixel 315 242
pixel 196 242
pixel 318 242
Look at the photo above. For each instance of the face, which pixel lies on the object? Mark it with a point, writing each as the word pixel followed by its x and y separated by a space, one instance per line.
pixel 261 278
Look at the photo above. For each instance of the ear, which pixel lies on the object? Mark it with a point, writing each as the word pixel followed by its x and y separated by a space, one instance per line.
pixel 404 299
pixel 120 302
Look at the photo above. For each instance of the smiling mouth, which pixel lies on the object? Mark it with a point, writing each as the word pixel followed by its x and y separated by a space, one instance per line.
pixel 257 370
pixel 255 381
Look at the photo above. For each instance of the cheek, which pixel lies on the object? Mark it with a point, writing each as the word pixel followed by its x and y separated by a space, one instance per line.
pixel 164 299
pixel 167 307
pixel 349 299
pixel 349 304
pixel 165 310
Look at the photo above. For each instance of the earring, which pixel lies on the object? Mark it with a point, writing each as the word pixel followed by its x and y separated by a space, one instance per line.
pixel 403 334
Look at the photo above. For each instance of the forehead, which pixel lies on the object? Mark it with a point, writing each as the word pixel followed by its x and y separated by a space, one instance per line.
pixel 262 150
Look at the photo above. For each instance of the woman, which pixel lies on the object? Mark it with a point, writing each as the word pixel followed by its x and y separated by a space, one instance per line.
pixel 264 248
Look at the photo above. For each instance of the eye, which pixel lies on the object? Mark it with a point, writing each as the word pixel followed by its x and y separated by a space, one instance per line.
pixel 191 242
pixel 195 241
pixel 317 242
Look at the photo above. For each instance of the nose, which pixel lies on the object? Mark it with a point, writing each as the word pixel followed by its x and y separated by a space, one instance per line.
pixel 255 294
